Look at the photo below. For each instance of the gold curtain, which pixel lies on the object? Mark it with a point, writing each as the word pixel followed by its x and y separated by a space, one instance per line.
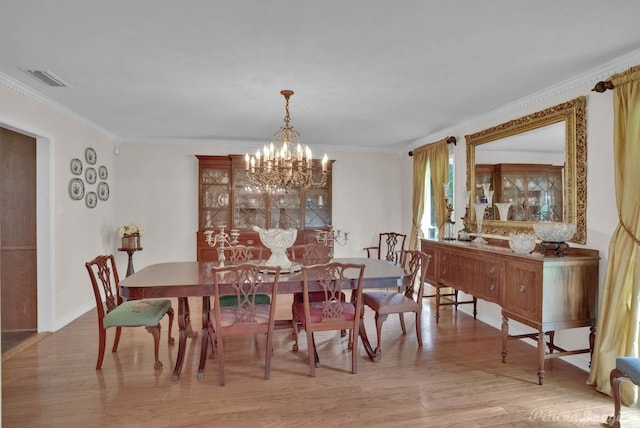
pixel 619 313
pixel 437 156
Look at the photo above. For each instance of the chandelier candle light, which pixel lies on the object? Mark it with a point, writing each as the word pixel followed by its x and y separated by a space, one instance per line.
pixel 286 162
pixel 221 239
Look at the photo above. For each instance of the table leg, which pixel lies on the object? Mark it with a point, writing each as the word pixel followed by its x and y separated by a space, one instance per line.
pixel 365 341
pixel 184 325
pixel 130 270
pixel 207 336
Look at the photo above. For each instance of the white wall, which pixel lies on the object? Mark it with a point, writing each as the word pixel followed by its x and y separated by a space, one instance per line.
pixel 69 233
pixel 157 186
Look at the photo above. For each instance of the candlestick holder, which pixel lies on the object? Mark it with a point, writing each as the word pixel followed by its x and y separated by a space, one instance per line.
pixel 330 237
pixel 222 240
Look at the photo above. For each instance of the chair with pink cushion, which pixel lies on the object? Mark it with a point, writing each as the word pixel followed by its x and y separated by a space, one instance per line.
pixel 249 316
pixel 405 299
pixel 331 313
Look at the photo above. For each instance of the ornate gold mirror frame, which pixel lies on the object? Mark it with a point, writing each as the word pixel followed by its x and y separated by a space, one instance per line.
pixel 572 113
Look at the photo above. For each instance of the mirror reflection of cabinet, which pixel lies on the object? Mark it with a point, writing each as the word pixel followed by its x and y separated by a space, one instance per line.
pixel 534 191
pixel 225 198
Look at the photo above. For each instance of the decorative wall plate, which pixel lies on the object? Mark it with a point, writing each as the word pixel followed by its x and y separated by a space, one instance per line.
pixel 90 175
pixel 91 199
pixel 103 191
pixel 76 166
pixel 76 189
pixel 103 173
pixel 90 155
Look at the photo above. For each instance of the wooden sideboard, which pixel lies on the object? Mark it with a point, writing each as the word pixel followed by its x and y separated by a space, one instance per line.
pixel 547 293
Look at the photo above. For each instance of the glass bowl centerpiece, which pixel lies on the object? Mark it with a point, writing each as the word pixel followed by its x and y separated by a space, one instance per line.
pixel 522 243
pixel 550 231
pixel 278 240
pixel 554 236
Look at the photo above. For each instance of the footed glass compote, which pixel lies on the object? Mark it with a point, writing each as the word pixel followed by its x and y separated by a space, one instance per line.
pixel 278 240
pixel 480 208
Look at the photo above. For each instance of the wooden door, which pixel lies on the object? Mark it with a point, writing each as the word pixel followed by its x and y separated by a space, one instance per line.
pixel 18 269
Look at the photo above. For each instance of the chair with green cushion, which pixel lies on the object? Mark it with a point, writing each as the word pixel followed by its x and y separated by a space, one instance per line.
pixel 244 254
pixel 113 312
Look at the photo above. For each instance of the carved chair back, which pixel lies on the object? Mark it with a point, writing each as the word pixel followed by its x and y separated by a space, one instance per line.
pixel 390 245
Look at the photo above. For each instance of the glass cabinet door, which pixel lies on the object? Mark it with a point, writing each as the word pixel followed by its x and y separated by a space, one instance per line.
pixel 214 197
pixel 286 211
pixel 317 213
pixel 249 205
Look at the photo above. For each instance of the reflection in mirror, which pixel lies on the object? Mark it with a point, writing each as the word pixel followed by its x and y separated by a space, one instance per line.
pixel 523 175
pixel 530 169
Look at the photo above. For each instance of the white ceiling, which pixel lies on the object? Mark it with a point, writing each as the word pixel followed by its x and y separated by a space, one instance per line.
pixel 373 74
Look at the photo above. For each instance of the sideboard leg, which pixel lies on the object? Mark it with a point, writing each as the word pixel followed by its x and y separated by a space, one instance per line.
pixel 541 353
pixel 505 337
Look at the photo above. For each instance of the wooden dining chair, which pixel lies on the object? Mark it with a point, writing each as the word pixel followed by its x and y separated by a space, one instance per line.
pixel 390 245
pixel 244 254
pixel 248 317
pixel 113 312
pixel 310 254
pixel 331 313
pixel 404 300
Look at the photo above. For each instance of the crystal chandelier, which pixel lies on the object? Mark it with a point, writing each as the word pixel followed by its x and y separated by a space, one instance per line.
pixel 286 162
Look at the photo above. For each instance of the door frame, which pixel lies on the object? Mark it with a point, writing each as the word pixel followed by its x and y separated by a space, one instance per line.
pixel 45 182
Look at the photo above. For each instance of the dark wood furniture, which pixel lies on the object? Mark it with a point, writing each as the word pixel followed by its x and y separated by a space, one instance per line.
pixel 114 312
pixel 534 190
pixel 185 279
pixel 331 312
pixel 390 245
pixel 130 251
pixel 547 293
pixel 225 198
pixel 405 299
pixel 248 316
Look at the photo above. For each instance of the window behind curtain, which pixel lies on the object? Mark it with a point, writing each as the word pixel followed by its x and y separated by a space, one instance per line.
pixel 428 224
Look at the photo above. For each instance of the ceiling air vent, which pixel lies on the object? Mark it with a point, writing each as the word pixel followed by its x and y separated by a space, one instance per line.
pixel 48 78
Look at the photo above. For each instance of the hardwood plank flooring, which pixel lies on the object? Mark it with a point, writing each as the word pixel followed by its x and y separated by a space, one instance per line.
pixel 457 380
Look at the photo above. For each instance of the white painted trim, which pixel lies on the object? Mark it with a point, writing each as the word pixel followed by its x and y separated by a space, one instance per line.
pixel 590 77
pixel 25 91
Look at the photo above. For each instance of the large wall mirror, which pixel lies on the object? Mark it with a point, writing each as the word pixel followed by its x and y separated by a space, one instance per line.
pixel 530 169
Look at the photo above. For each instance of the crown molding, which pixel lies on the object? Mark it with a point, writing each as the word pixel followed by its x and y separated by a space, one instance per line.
pixel 586 79
pixel 32 95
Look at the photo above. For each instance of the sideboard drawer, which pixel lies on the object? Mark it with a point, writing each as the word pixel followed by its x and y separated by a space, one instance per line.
pixel 489 279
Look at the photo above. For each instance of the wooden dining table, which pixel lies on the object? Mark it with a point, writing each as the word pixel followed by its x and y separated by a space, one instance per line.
pixel 193 279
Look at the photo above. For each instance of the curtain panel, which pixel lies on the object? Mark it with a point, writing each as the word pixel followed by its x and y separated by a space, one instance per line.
pixel 618 331
pixel 436 155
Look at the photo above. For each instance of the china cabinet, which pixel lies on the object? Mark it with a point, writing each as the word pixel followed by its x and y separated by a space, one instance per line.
pixel 534 191
pixel 225 198
pixel 545 292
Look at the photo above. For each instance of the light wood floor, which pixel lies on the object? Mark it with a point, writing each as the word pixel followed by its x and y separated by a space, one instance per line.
pixel 457 379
